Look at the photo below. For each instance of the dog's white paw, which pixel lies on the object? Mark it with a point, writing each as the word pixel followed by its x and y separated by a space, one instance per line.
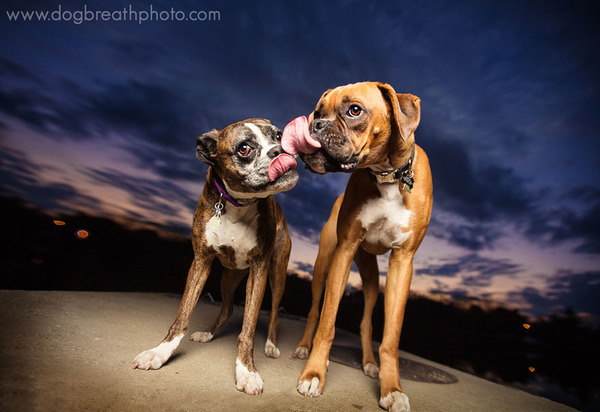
pixel 246 381
pixel 301 352
pixel 395 402
pixel 371 370
pixel 271 351
pixel 156 357
pixel 201 336
pixel 309 388
pixel 149 359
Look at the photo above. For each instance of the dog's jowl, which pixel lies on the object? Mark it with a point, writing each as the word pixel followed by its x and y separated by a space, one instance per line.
pixel 238 221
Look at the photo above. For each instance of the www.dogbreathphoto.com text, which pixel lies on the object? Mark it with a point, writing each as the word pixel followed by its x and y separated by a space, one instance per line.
pixel 125 14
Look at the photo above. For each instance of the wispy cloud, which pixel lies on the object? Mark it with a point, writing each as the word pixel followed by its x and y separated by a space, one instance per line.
pixel 567 289
pixel 574 218
pixel 474 266
pixel 19 176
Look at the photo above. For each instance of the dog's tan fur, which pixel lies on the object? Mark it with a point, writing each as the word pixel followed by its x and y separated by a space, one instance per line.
pixel 385 135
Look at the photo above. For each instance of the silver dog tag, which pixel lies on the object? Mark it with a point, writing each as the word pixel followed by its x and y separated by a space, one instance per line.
pixel 214 223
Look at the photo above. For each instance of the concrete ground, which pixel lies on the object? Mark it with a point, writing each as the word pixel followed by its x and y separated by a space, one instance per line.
pixel 72 351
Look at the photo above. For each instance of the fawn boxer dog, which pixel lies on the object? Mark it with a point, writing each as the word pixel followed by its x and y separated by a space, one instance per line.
pixel 367 129
pixel 238 221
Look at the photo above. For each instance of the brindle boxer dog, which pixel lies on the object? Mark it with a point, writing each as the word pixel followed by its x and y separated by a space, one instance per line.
pixel 367 129
pixel 238 221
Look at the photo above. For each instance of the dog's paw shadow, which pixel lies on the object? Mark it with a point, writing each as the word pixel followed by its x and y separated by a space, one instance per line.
pixel 409 369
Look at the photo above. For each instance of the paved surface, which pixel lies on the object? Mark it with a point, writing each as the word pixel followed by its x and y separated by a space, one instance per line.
pixel 72 351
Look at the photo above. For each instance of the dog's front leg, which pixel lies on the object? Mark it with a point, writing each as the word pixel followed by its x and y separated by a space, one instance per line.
pixel 397 289
pixel 247 378
pixel 312 379
pixel 154 358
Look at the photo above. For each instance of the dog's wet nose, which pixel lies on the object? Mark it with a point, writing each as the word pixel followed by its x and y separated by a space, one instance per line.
pixel 274 152
pixel 318 124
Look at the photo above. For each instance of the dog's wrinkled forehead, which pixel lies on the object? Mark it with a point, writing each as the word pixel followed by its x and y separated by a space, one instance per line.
pixel 335 101
pixel 365 94
pixel 258 133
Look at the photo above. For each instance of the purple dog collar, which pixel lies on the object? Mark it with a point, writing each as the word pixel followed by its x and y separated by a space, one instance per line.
pixel 224 194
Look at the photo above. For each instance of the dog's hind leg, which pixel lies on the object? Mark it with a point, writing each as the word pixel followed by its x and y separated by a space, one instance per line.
pixel 369 272
pixel 327 244
pixel 277 278
pixel 230 279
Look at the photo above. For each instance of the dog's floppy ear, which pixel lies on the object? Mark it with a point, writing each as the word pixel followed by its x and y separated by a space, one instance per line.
pixel 406 111
pixel 206 146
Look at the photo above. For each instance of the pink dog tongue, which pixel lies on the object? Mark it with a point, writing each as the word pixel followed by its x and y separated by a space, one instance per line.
pixel 296 138
pixel 280 165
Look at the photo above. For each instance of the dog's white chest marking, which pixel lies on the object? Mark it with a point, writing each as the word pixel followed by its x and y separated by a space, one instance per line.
pixel 238 231
pixel 385 218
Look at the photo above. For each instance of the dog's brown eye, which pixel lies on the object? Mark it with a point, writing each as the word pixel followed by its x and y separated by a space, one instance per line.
pixel 354 110
pixel 278 136
pixel 244 150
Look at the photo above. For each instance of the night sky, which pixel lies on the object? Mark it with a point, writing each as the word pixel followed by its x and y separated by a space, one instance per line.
pixel 102 117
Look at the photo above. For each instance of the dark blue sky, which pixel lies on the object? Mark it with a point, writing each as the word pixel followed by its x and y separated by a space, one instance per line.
pixel 102 117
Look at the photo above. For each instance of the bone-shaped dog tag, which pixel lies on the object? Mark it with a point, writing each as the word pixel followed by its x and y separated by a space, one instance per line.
pixel 214 223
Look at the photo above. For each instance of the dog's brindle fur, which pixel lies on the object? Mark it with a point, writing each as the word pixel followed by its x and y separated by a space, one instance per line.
pixel 257 230
pixel 369 219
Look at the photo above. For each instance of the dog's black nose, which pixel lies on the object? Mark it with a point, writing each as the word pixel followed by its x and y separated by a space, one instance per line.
pixel 318 124
pixel 274 152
